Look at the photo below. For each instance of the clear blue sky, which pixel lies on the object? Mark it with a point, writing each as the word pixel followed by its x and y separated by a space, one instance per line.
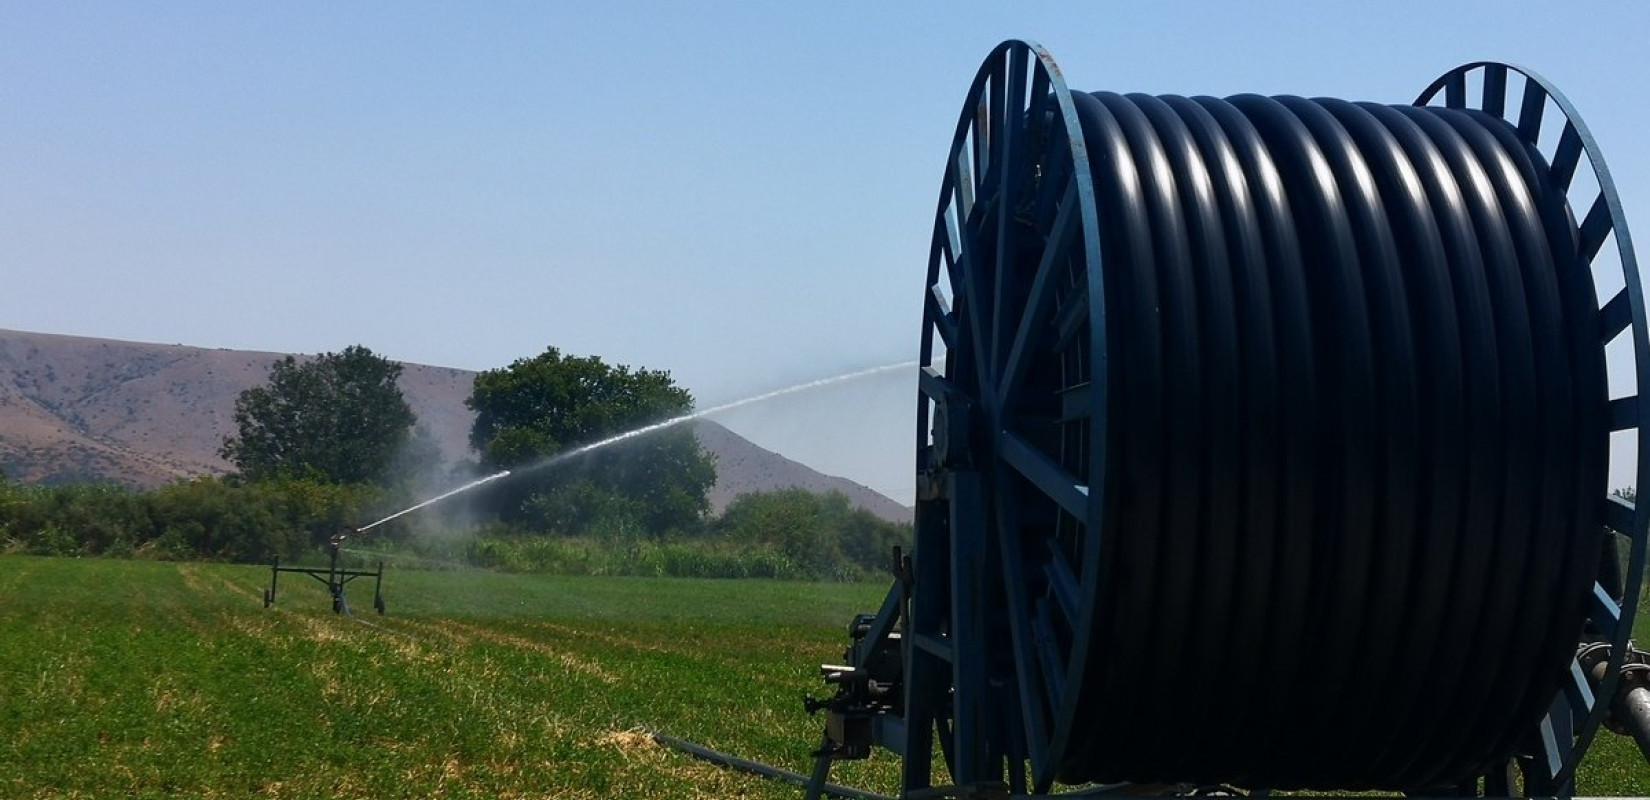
pixel 740 194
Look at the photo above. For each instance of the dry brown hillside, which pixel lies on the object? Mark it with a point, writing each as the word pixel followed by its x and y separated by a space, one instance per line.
pixel 80 409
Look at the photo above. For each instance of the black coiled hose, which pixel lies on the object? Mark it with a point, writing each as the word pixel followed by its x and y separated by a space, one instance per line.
pixel 1360 425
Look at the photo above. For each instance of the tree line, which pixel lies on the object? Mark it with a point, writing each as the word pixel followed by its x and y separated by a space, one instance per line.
pixel 326 443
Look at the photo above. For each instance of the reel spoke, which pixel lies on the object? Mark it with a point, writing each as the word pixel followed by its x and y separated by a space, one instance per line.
pixel 933 385
pixel 1495 90
pixel 1578 693
pixel 1050 661
pixel 962 182
pixel 1567 157
pixel 1063 586
pixel 1530 112
pixel 1595 228
pixel 1604 611
pixel 1057 253
pixel 1010 171
pixel 947 249
pixel 1051 479
pixel 941 319
pixel 1620 514
pixel 1455 90
pixel 1045 281
pixel 1624 413
pixel 1615 316
pixel 1556 741
pixel 1035 704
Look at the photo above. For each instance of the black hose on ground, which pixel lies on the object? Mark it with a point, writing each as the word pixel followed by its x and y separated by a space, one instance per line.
pixel 757 768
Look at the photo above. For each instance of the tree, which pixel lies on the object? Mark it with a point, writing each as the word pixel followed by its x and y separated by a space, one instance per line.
pixel 551 404
pixel 338 417
pixel 822 533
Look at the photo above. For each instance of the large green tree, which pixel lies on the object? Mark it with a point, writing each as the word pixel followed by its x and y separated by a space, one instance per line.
pixel 552 404
pixel 338 417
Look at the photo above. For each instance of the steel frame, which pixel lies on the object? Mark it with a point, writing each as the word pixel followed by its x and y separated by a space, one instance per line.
pixel 332 577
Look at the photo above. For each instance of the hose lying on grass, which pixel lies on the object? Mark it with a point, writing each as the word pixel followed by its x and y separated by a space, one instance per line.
pixel 757 768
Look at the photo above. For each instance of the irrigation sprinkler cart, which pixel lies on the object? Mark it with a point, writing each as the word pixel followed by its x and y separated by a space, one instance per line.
pixel 1036 631
pixel 332 577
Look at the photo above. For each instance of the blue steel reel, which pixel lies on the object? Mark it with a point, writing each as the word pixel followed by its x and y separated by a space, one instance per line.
pixel 1563 138
pixel 1014 389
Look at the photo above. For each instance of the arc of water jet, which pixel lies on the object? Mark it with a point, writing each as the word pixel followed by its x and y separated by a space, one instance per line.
pixel 438 498
pixel 646 429
pixel 642 431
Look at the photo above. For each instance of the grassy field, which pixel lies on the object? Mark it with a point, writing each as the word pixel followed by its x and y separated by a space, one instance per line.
pixel 164 680
pixel 145 679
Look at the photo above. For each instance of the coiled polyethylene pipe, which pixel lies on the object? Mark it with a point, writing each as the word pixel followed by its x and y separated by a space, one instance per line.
pixel 1358 410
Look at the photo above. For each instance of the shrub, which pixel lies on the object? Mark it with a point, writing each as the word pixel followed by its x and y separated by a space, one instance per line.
pixel 208 518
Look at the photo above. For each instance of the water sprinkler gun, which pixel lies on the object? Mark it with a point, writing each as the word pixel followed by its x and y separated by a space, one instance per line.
pixel 339 537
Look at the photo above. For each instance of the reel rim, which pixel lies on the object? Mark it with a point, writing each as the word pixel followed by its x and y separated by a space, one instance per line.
pixel 1605 218
pixel 960 415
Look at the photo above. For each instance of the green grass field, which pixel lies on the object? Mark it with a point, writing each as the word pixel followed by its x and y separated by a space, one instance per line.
pixel 148 679
pixel 144 679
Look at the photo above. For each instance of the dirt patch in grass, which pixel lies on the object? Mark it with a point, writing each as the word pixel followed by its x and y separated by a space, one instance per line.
pixel 190 575
pixel 567 659
pixel 628 741
pixel 605 637
pixel 240 589
pixel 696 778
pixel 320 631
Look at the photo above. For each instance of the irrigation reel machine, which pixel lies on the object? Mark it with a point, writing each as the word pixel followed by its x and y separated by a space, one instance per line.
pixel 1264 443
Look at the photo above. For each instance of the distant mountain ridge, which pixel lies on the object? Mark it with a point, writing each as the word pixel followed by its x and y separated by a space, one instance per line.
pixel 75 408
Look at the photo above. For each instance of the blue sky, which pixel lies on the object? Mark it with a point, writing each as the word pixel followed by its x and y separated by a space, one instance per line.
pixel 740 194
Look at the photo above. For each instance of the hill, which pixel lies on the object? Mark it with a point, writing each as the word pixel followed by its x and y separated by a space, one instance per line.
pixel 83 409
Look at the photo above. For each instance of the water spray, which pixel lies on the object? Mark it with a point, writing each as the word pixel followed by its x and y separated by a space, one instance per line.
pixel 335 578
pixel 438 498
pixel 647 429
pixel 673 421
